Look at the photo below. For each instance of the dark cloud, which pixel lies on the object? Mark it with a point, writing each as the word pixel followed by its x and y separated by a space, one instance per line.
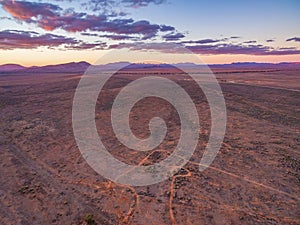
pixel 165 28
pixel 288 48
pixel 142 3
pixel 205 41
pixel 240 49
pixel 227 49
pixel 173 36
pixel 105 6
pixel 206 49
pixel 96 5
pixel 297 39
pixel 14 39
pixel 118 37
pixel 283 52
pixel 87 46
pixel 5 18
pixel 90 34
pixel 270 40
pixel 51 17
pixel 74 22
pixel 249 42
pixel 154 46
pixel 128 26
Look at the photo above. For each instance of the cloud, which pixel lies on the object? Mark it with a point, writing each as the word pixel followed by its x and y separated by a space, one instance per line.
pixel 240 49
pixel 205 41
pixel 297 39
pixel 51 17
pixel 106 6
pixel 14 39
pixel 89 34
pixel 173 36
pixel 118 37
pixel 249 42
pixel 226 49
pixel 142 3
pixel 288 48
pixel 88 46
pixel 153 46
pixel 205 49
pixel 165 28
pixel 25 11
pixel 5 18
pixel 270 40
pixel 128 26
pixel 96 5
pixel 283 52
pixel 115 37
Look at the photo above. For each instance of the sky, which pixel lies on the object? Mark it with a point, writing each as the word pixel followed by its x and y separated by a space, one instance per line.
pixel 42 32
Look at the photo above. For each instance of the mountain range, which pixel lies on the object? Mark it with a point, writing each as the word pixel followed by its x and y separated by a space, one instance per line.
pixel 80 67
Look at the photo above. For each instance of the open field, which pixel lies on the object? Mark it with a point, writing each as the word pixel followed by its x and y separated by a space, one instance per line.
pixel 255 178
pixel 286 79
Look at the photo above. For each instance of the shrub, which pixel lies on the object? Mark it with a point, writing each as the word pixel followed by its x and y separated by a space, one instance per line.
pixel 89 219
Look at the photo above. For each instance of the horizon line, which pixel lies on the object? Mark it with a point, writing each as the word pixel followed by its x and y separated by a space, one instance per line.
pixel 208 64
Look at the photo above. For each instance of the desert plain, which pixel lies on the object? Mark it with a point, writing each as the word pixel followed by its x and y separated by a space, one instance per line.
pixel 255 178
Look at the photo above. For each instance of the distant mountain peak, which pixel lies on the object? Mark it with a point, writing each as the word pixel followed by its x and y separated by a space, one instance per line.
pixel 11 67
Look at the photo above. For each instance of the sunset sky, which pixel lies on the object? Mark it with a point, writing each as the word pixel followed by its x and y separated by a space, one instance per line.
pixel 57 31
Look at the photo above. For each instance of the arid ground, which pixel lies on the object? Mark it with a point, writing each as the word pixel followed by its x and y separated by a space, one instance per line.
pixel 255 178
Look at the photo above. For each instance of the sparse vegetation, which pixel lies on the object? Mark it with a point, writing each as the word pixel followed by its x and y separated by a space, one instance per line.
pixel 43 172
pixel 89 219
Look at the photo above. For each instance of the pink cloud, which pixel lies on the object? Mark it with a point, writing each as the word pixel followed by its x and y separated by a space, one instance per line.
pixel 14 39
pixel 51 17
